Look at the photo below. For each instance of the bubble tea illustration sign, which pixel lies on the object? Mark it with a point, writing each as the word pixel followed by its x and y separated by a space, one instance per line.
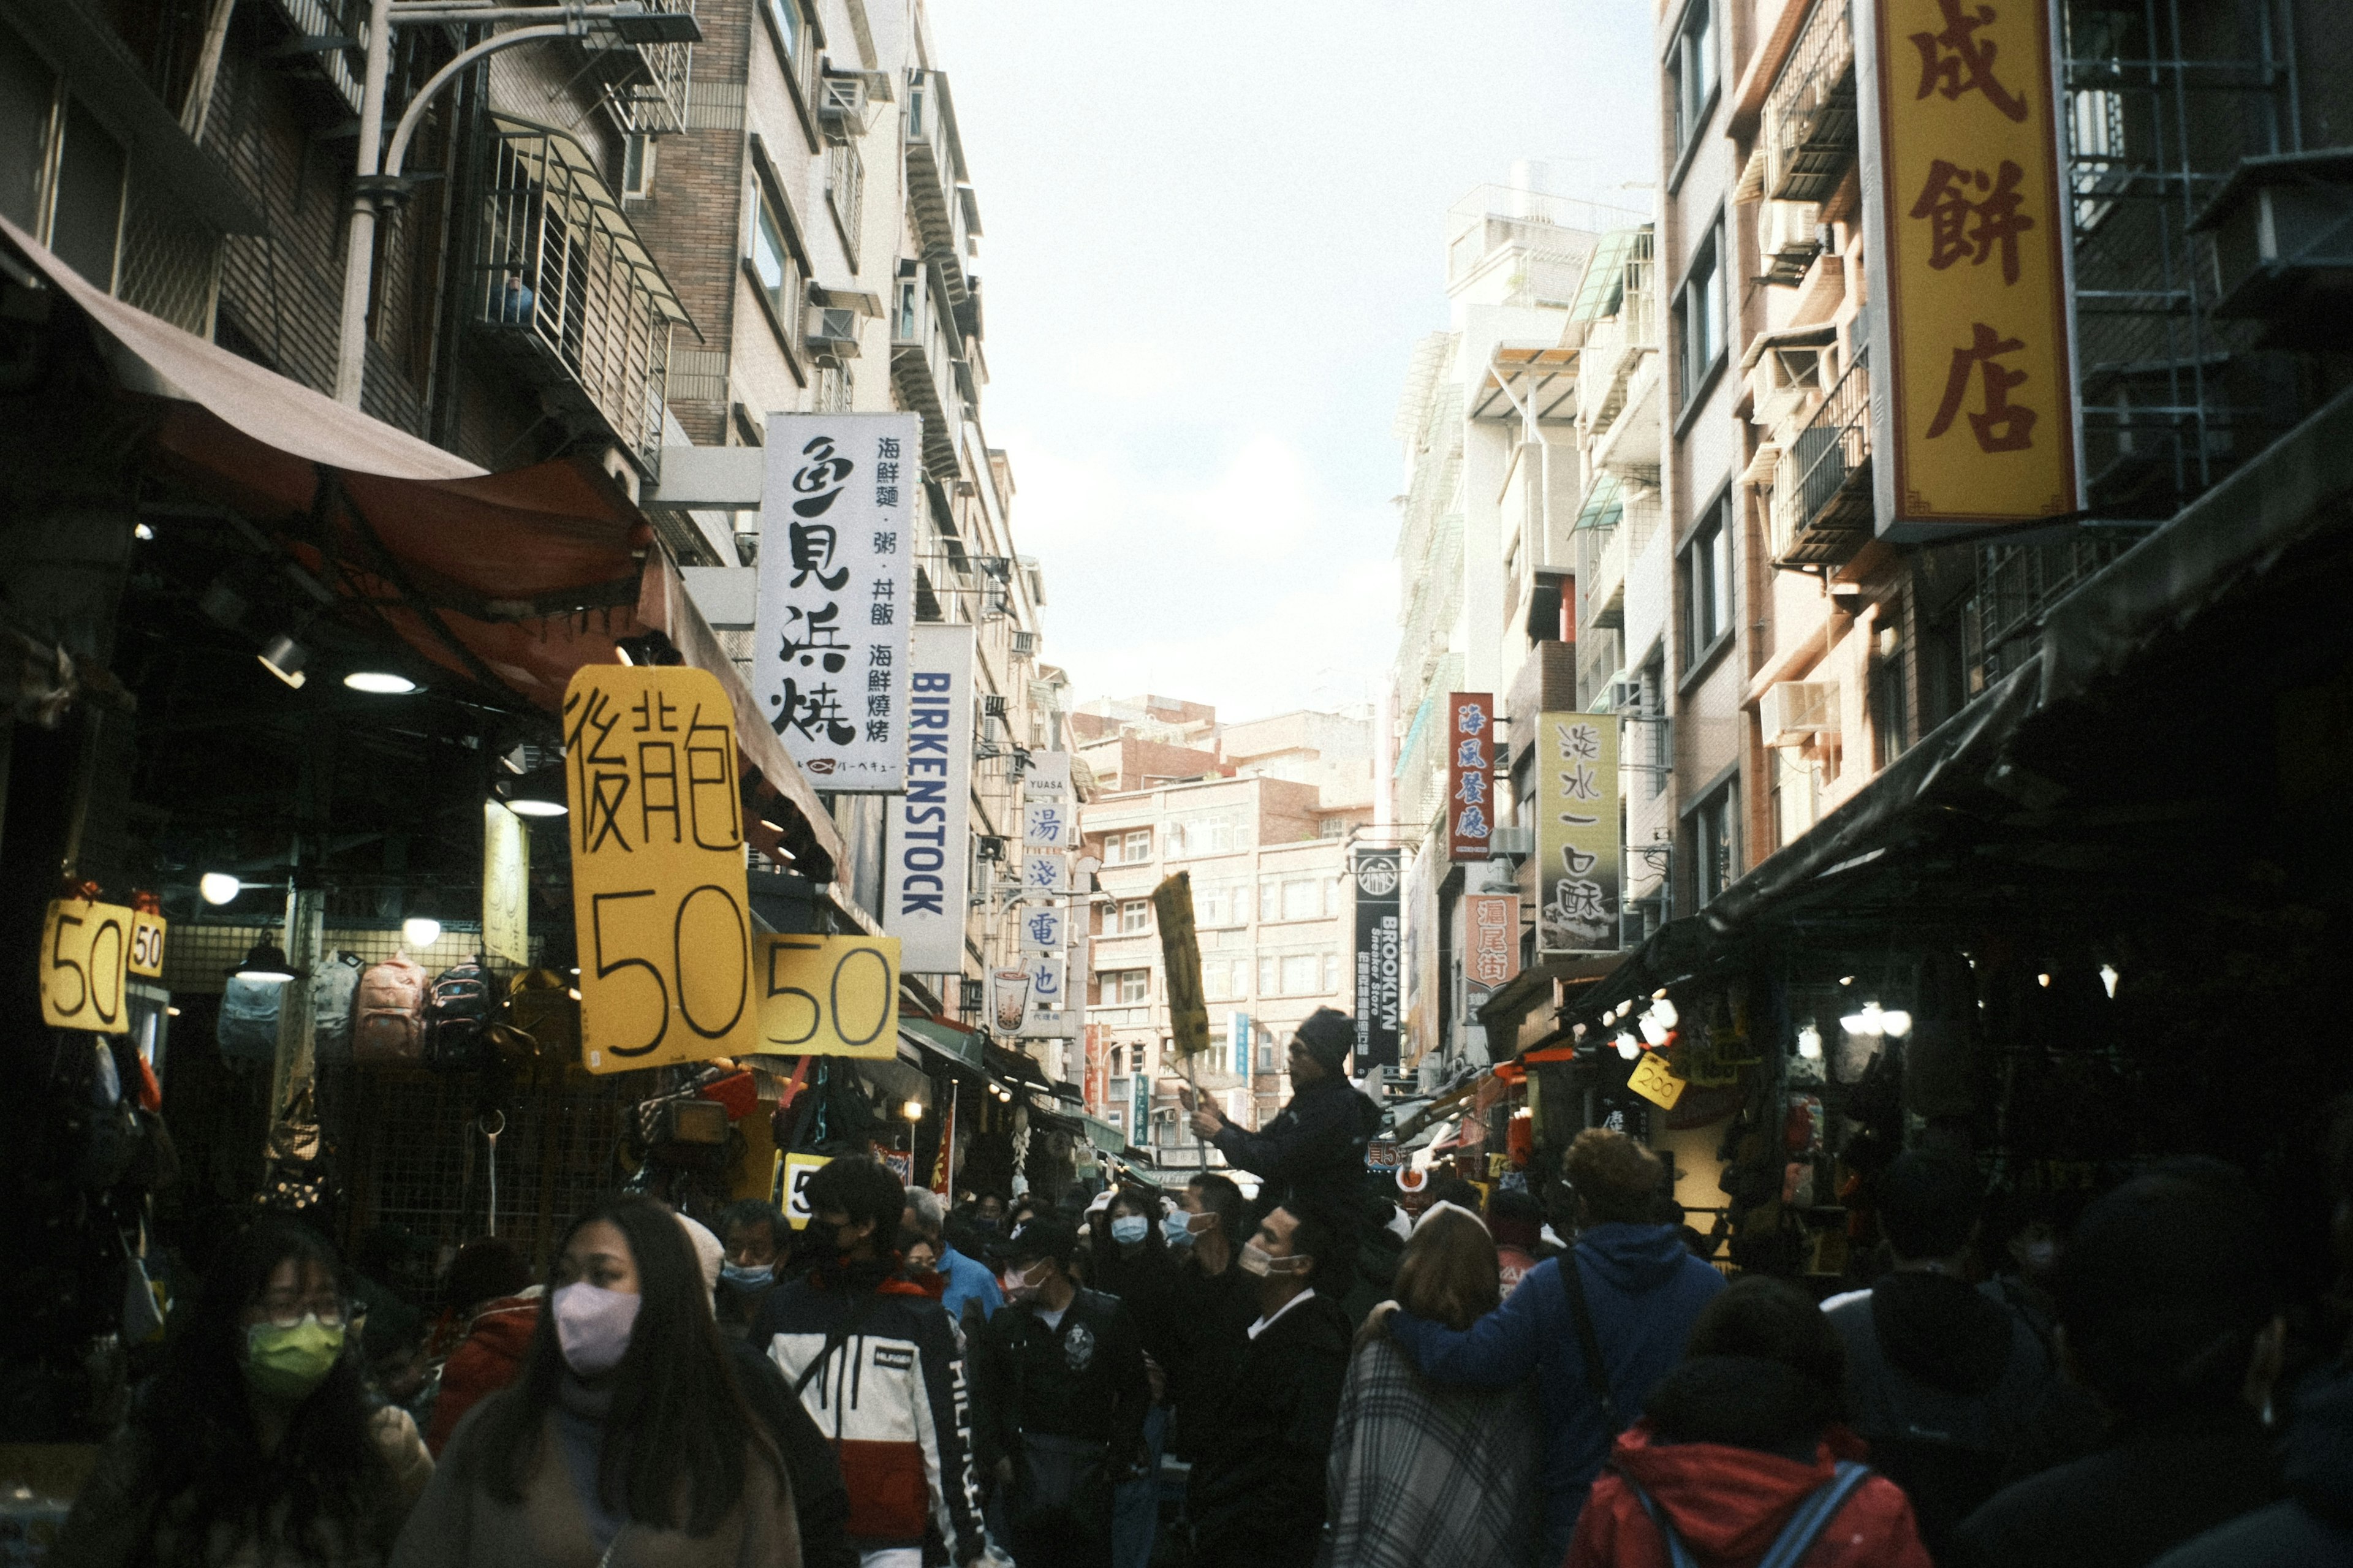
pixel 657 841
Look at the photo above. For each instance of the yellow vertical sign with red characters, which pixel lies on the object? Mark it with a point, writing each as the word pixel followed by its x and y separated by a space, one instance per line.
pixel 657 893
pixel 1966 215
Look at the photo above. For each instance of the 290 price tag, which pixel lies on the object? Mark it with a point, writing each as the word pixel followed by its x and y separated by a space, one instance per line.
pixel 828 995
pixel 85 966
pixel 657 891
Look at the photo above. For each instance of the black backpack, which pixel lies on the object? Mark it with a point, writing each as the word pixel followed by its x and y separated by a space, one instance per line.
pixel 458 1011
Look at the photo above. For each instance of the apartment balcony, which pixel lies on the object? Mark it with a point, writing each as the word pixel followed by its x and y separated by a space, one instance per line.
pixel 1601 577
pixel 1821 483
pixel 565 294
pixel 1809 131
pixel 924 372
pixel 935 194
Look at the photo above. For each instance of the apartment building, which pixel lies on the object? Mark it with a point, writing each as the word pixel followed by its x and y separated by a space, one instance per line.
pixel 1273 908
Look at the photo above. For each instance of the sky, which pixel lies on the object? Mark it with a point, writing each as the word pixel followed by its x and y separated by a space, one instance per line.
pixel 1213 232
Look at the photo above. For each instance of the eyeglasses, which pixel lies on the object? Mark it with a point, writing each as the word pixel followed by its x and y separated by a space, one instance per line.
pixel 285 1311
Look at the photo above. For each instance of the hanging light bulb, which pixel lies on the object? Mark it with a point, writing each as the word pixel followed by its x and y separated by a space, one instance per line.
pixel 1653 1032
pixel 1875 1021
pixel 2043 981
pixel 1663 1010
pixel 420 930
pixel 1895 1022
pixel 1855 1023
pixel 1626 1047
pixel 2108 977
pixel 1809 1041
pixel 217 887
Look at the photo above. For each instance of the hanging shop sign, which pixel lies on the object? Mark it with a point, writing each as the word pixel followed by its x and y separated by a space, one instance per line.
pixel 1180 958
pixel 1378 967
pixel 837 586
pixel 1491 958
pixel 1047 779
pixel 1139 1110
pixel 1577 832
pixel 1045 873
pixel 1097 1088
pixel 506 886
pixel 797 1170
pixel 1008 1001
pixel 1238 1035
pixel 1469 775
pixel 1655 1081
pixel 1967 216
pixel 828 995
pixel 1049 825
pixel 1045 928
pixel 656 838
pixel 1048 1017
pixel 928 866
pixel 85 965
pixel 147 932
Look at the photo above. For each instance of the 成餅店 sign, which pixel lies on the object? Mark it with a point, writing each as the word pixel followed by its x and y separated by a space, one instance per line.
pixel 1965 218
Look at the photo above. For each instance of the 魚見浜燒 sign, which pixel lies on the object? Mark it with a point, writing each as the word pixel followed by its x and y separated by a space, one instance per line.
pixel 1377 876
pixel 1967 216
pixel 836 597
pixel 827 996
pixel 929 865
pixel 1575 769
pixel 657 891
pixel 1469 775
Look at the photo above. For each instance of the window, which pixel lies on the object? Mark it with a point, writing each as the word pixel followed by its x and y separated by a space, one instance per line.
pixel 1716 843
pixel 837 389
pixel 845 193
pixel 1127 849
pixel 1266 1059
pixel 1891 686
pixel 1222 979
pixel 1691 72
pixel 1795 794
pixel 1221 904
pixel 61 172
pixel 1220 832
pixel 1268 978
pixel 637 164
pixel 1655 732
pixel 775 263
pixel 1331 971
pixel 792 34
pixel 1134 915
pixel 1699 318
pixel 1302 900
pixel 1707 583
pixel 1128 986
pixel 1299 974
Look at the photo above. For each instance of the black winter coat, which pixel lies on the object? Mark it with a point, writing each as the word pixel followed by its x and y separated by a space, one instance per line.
pixel 1257 1495
pixel 1210 1329
pixel 1083 1378
pixel 1312 1150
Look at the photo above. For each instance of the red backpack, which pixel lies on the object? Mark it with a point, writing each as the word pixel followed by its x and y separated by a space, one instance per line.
pixel 389 1012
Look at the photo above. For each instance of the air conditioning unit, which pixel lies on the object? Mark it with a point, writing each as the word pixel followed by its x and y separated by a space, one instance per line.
pixel 831 331
pixel 1781 382
pixel 841 107
pixel 1518 842
pixel 1789 238
pixel 1024 644
pixel 992 706
pixel 1796 711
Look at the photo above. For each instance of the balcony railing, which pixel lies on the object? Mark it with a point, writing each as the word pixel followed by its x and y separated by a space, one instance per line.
pixel 565 294
pixel 1809 121
pixel 935 169
pixel 1821 485
pixel 644 86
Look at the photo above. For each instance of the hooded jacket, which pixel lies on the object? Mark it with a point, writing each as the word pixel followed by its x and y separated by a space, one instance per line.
pixel 1312 1150
pixel 488 1359
pixel 1644 1288
pixel 2314 1529
pixel 1729 1504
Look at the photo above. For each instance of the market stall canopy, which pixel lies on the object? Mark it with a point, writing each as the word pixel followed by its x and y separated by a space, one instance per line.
pixel 513 580
pixel 958 1047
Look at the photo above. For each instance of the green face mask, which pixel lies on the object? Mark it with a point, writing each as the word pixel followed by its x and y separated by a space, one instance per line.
pixel 287 1362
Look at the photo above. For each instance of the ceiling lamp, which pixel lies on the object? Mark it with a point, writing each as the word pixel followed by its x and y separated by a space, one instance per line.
pixel 537 793
pixel 913 1110
pixel 1809 1041
pixel 420 930
pixel 265 961
pixel 1895 1022
pixel 2108 977
pixel 380 682
pixel 283 657
pixel 218 887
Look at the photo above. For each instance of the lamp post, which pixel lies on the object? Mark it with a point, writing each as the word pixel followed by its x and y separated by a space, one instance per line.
pixel 378 178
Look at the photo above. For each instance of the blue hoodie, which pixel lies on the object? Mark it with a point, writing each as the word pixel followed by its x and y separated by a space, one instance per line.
pixel 1644 1288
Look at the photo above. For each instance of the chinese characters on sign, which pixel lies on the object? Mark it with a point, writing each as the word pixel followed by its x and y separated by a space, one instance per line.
pixel 1576 771
pixel 1968 231
pixel 929 867
pixel 1045 928
pixel 1490 948
pixel 506 886
pixel 837 580
pixel 656 867
pixel 1470 763
pixel 1378 967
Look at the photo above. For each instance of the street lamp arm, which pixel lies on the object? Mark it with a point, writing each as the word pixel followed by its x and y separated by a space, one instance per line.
pixel 415 114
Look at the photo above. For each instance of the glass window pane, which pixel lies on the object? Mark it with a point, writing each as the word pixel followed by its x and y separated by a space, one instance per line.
pixel 1299 974
pixel 1266 986
pixel 1301 902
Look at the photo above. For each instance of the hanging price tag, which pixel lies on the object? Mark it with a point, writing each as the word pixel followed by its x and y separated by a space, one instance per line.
pixel 1655 1081
pixel 828 995
pixel 85 965
pixel 798 1169
pixel 657 841
pixel 147 944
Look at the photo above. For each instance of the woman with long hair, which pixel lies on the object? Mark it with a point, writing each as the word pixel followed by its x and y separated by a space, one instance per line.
pixel 258 1442
pixel 626 1441
pixel 1421 1473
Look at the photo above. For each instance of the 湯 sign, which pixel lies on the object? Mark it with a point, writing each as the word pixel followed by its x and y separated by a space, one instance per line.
pixel 828 995
pixel 1967 216
pixel 86 950
pixel 657 839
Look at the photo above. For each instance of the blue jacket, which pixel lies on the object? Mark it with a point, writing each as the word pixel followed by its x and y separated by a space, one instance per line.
pixel 968 1280
pixel 1644 1288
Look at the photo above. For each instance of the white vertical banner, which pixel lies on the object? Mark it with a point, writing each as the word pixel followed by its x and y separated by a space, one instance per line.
pixel 1048 1006
pixel 1049 825
pixel 928 872
pixel 1048 778
pixel 837 593
pixel 1045 873
pixel 1045 928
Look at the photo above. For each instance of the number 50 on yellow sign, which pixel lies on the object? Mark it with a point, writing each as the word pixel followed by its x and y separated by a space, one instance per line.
pixel 657 893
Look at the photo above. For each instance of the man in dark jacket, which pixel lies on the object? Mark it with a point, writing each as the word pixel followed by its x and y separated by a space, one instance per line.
pixel 1257 1495
pixel 1939 1377
pixel 1059 1393
pixel 2166 1314
pixel 1314 1149
pixel 1216 1303
pixel 1643 1288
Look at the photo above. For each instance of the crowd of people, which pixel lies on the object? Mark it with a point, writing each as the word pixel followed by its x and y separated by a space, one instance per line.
pixel 1312 1376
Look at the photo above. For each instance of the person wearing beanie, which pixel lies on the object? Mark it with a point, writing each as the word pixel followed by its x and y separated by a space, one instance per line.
pixel 1314 1149
pixel 1742 1450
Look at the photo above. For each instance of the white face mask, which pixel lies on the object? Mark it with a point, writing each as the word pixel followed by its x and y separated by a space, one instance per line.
pixel 1127 1229
pixel 1257 1260
pixel 1022 1285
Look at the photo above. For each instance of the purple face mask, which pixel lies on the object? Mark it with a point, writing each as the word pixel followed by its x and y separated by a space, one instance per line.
pixel 592 1326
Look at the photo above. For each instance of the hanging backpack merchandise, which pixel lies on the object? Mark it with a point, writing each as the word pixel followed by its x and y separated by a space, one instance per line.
pixel 334 991
pixel 388 1012
pixel 247 1029
pixel 540 1004
pixel 460 1010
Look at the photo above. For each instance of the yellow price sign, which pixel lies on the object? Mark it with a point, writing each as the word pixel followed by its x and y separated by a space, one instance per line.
pixel 828 995
pixel 798 1169
pixel 147 944
pixel 85 966
pixel 1656 1082
pixel 657 841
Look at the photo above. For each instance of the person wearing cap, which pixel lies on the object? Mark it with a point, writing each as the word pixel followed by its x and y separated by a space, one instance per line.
pixel 1060 1398
pixel 1314 1149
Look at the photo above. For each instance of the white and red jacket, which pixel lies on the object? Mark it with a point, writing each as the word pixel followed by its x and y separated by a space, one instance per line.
pixel 890 1396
